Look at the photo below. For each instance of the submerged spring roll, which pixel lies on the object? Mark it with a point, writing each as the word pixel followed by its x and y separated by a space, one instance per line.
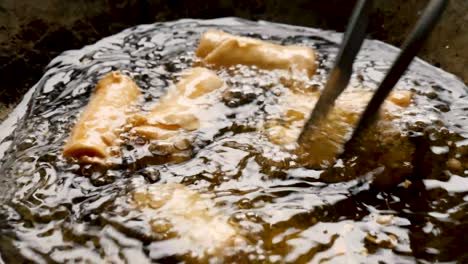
pixel 107 111
pixel 179 109
pixel 222 49
pixel 384 152
pixel 189 221
pixel 326 141
pixel 184 109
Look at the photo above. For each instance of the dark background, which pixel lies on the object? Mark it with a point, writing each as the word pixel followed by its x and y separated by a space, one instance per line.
pixel 32 32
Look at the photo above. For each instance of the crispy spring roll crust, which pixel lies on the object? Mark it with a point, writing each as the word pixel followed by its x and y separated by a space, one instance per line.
pixel 223 49
pixel 106 112
pixel 178 109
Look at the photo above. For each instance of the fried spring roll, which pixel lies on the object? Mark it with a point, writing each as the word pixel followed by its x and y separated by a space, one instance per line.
pixel 179 108
pixel 326 141
pixel 95 132
pixel 183 110
pixel 223 49
pixel 181 214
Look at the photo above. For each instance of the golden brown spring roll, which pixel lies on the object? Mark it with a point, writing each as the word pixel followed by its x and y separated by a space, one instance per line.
pixel 106 112
pixel 223 49
pixel 178 109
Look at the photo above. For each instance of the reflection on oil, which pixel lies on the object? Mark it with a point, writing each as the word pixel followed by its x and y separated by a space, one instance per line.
pixel 265 206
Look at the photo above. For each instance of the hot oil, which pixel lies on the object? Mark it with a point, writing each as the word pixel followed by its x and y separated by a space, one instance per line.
pixel 281 211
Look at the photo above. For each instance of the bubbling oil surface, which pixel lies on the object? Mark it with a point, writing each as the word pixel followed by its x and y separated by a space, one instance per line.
pixel 56 211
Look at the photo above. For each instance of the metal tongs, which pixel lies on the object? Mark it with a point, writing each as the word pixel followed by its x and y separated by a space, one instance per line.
pixel 342 70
